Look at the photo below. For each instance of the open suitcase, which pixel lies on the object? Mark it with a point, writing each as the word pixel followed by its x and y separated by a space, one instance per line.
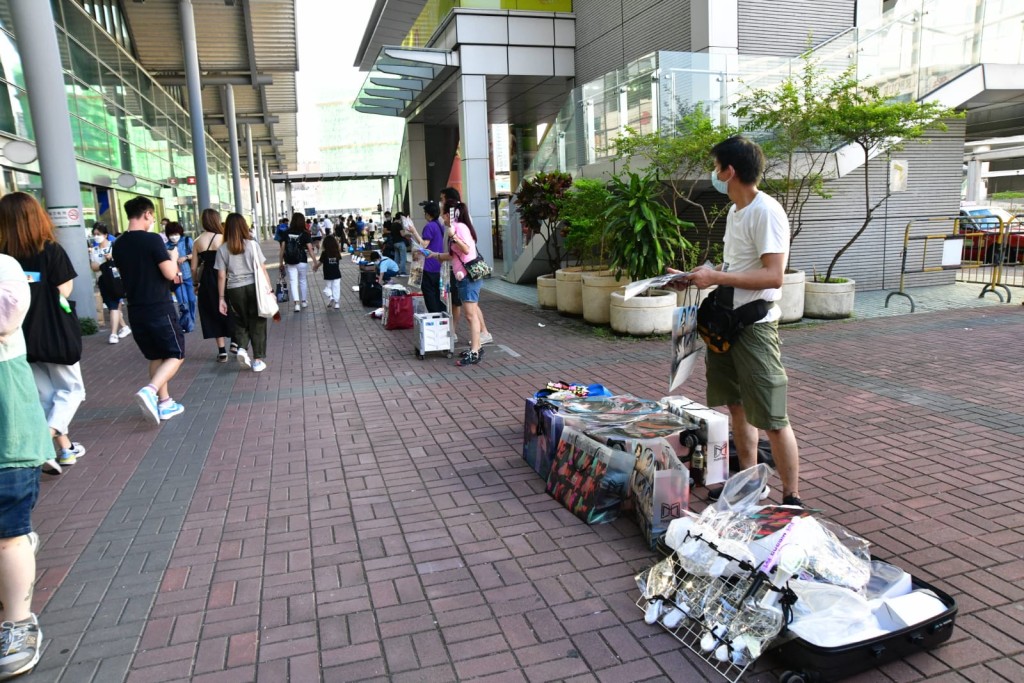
pixel 807 663
pixel 804 662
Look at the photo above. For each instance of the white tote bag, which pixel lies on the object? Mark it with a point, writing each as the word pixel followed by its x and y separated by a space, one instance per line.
pixel 266 301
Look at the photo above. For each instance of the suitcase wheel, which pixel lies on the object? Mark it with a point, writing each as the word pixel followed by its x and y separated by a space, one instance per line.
pixel 792 677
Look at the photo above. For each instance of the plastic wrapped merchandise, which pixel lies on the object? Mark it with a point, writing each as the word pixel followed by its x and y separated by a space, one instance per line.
pixel 727 531
pixel 742 491
pixel 829 560
pixel 831 616
pixel 887 581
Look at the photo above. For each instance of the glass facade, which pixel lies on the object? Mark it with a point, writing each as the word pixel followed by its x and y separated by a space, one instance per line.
pixel 435 12
pixel 122 121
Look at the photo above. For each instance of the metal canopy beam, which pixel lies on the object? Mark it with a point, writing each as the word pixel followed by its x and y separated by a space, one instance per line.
pixel 330 177
pixel 399 83
pixel 381 111
pixel 390 93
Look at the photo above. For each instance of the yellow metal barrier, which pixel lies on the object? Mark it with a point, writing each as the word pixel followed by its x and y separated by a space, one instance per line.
pixel 978 237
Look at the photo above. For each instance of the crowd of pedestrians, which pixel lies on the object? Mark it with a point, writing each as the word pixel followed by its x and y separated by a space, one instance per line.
pixel 169 283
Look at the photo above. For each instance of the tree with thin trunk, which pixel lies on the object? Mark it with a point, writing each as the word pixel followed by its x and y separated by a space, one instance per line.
pixel 860 115
pixel 796 144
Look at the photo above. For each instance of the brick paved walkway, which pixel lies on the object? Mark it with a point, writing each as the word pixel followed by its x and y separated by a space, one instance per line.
pixel 356 514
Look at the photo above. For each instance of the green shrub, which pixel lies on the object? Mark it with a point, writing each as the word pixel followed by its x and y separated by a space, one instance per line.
pixel 89 326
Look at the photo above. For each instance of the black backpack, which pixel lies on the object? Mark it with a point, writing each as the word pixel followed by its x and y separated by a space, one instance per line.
pixel 371 294
pixel 293 250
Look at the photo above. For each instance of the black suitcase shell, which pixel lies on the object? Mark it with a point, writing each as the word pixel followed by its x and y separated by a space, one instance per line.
pixel 809 663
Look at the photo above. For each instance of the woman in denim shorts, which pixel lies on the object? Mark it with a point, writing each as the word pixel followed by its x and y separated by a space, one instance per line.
pixel 24 446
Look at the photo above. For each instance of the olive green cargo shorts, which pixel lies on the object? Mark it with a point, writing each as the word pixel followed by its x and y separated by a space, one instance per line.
pixel 751 374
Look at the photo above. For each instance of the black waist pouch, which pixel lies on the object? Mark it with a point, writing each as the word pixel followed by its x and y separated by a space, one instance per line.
pixel 719 324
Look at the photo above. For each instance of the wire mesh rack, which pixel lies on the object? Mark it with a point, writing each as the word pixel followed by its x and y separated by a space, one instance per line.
pixel 711 612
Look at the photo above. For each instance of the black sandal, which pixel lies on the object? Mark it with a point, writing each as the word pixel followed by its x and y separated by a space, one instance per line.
pixel 222 357
pixel 234 349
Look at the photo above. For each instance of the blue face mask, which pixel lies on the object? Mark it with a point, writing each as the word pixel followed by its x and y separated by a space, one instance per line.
pixel 720 185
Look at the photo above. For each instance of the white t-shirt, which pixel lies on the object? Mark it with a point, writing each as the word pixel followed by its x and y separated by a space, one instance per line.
pixel 761 227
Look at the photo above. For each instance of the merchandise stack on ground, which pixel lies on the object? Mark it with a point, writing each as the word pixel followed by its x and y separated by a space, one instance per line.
pixel 742 577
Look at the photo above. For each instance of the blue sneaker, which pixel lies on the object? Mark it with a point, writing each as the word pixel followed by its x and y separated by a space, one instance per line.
pixel 146 398
pixel 170 409
pixel 71 455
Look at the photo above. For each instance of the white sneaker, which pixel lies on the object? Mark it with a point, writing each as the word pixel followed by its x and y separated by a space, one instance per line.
pixel 124 332
pixel 258 366
pixel 305 303
pixel 486 339
pixel 243 358
pixel 113 339
pixel 52 467
pixel 337 306
pixel 297 308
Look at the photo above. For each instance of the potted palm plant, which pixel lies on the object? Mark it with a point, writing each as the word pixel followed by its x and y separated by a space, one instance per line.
pixel 643 237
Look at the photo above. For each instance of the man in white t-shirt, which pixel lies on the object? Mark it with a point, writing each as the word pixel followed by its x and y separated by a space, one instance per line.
pixel 749 377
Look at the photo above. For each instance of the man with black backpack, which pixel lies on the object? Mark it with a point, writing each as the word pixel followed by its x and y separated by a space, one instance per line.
pixel 743 364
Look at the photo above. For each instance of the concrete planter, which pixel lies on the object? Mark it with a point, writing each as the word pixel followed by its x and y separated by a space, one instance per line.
pixel 828 300
pixel 643 316
pixel 569 291
pixel 792 301
pixel 688 297
pixel 597 291
pixel 546 295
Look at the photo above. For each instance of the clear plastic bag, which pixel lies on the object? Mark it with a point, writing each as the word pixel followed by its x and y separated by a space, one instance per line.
pixel 829 559
pixel 831 616
pixel 743 490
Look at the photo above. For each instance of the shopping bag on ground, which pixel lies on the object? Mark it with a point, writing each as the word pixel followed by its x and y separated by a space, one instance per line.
pixel 399 314
pixel 659 487
pixel 591 480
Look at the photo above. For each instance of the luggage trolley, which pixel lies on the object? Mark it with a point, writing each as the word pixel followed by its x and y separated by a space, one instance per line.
pixel 433 331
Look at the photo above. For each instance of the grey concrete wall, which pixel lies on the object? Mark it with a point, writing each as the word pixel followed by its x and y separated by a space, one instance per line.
pixel 780 27
pixel 611 33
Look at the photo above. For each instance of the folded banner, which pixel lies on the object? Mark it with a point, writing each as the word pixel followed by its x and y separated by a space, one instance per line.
pixel 591 480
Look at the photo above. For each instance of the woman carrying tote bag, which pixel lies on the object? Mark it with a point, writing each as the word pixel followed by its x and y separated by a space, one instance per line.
pixel 52 333
pixel 239 260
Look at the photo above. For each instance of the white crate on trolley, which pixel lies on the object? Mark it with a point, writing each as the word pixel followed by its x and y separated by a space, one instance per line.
pixel 433 332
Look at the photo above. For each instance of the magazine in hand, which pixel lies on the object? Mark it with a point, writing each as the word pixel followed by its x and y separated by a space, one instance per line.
pixel 641 286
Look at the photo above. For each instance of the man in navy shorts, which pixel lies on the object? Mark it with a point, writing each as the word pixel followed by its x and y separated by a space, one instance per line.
pixel 147 272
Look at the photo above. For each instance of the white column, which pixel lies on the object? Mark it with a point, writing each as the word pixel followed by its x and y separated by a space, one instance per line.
pixel 288 210
pixel 251 160
pixel 476 159
pixel 714 26
pixel 236 171
pixel 40 59
pixel 195 103
pixel 263 191
pixel 869 13
pixel 415 136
